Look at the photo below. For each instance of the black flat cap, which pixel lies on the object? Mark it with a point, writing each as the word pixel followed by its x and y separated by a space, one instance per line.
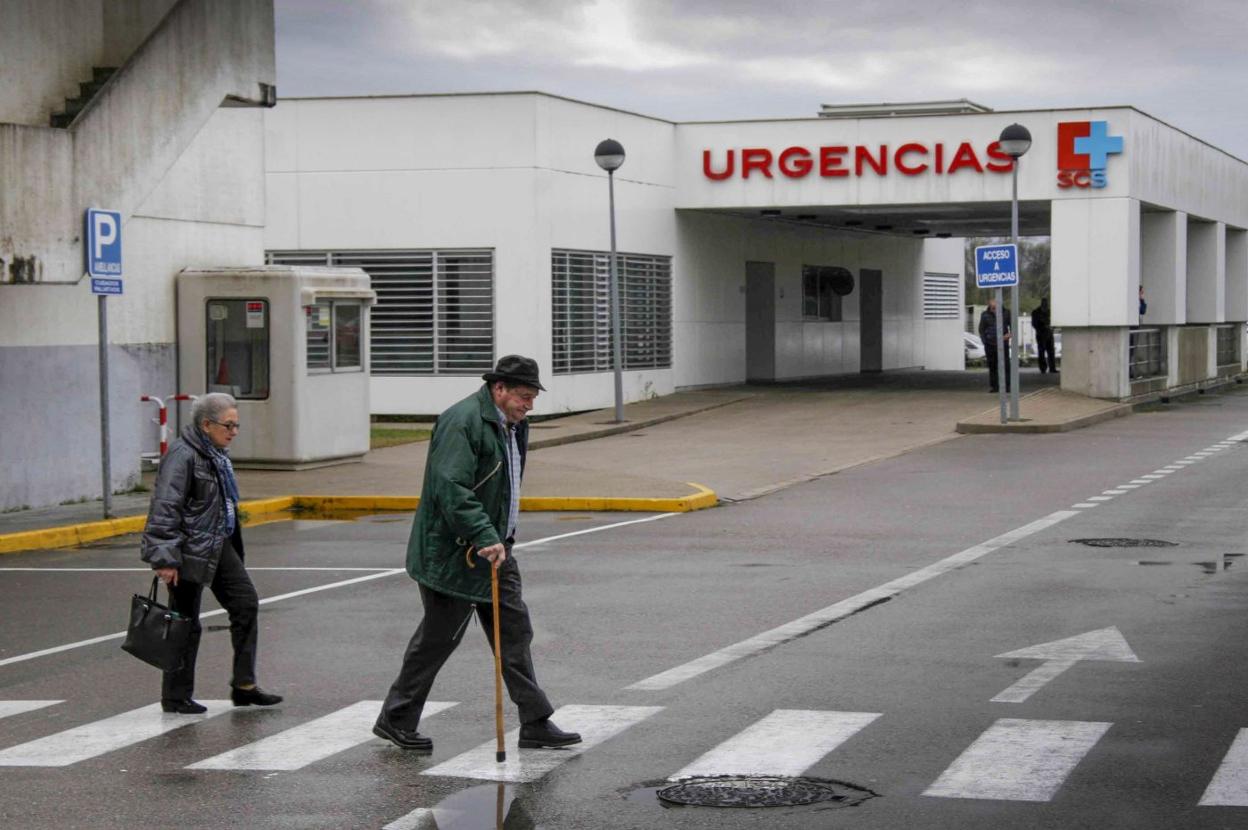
pixel 515 368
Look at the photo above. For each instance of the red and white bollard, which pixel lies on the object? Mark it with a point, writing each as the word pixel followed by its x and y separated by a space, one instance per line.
pixel 163 420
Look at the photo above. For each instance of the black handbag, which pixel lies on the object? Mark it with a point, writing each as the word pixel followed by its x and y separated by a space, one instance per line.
pixel 156 634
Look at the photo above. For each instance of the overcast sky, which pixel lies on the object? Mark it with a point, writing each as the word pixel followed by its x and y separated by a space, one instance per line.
pixel 1183 62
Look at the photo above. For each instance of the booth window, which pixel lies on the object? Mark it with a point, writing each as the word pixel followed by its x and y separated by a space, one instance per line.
pixel 822 289
pixel 238 347
pixel 581 311
pixel 434 313
pixel 334 336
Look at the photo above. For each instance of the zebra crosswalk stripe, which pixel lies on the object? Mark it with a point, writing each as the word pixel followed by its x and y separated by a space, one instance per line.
pixel 1229 787
pixel 309 742
pixel 595 723
pixel 99 737
pixel 786 742
pixel 17 707
pixel 1019 760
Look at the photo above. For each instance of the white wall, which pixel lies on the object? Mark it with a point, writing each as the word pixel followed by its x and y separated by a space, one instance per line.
pixel 942 339
pixel 513 173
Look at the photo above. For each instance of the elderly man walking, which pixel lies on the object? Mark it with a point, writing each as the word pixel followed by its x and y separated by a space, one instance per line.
pixel 466 522
pixel 193 539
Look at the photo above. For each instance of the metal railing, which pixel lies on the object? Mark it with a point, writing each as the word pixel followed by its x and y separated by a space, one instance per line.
pixel 1147 353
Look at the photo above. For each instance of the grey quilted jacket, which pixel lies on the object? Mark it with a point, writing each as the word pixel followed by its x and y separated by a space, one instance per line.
pixel 187 519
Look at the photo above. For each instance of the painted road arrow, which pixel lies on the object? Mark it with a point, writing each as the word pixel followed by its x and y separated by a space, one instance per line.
pixel 1103 644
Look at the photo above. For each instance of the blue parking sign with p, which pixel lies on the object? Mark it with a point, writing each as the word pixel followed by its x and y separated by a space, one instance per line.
pixel 996 266
pixel 103 236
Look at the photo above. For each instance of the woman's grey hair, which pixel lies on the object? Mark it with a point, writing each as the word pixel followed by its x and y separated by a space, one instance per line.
pixel 211 407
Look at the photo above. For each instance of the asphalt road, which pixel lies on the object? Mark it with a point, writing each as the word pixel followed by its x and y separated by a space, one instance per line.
pixel 858 629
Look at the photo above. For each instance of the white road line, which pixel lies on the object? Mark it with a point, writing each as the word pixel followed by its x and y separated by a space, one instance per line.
pixel 1100 498
pixel 18 707
pixel 149 570
pixel 594 530
pixel 595 723
pixel 1019 760
pixel 786 742
pixel 101 736
pixel 1113 492
pixel 1144 480
pixel 1130 486
pixel 310 742
pixel 1085 504
pixel 118 635
pixel 422 818
pixel 1229 787
pixel 389 572
pixel 1151 477
pixel 842 609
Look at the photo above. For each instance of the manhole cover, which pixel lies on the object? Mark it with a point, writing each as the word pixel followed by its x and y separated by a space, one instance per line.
pixel 1122 542
pixel 761 791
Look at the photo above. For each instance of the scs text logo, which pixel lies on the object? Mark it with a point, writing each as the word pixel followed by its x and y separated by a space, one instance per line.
pixel 1083 151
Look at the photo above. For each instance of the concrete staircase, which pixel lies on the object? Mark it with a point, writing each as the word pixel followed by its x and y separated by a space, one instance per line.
pixel 113 144
pixel 86 91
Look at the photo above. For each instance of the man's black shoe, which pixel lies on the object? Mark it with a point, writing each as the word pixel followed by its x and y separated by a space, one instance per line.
pixel 543 733
pixel 255 696
pixel 182 707
pixel 402 738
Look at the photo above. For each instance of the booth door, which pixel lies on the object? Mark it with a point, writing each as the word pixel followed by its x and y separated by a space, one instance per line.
pixel 760 321
pixel 871 324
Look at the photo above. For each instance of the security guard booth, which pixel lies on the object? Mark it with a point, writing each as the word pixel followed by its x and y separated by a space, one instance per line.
pixel 290 343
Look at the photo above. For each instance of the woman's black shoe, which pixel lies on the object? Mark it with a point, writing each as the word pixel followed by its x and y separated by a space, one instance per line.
pixel 183 707
pixel 255 696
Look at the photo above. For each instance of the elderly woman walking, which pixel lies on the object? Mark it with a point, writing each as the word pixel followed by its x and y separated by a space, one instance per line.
pixel 193 539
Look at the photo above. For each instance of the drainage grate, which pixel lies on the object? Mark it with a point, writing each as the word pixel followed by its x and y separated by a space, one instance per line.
pixel 761 791
pixel 1121 542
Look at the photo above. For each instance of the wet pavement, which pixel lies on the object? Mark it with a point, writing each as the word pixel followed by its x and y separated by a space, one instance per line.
pixel 860 625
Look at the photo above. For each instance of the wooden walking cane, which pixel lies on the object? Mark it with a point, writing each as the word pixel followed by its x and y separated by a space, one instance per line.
pixel 501 754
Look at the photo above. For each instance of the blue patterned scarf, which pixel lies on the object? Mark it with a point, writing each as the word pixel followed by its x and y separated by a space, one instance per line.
pixel 225 475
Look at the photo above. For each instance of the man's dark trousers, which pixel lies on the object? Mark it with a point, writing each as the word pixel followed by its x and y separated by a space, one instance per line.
pixel 232 587
pixel 990 355
pixel 446 619
pixel 1044 351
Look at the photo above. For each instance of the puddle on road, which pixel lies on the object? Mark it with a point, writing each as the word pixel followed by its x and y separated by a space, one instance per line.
pixel 486 807
pixel 1209 568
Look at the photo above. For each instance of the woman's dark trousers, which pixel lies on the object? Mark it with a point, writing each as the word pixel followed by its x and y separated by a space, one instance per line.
pixel 233 589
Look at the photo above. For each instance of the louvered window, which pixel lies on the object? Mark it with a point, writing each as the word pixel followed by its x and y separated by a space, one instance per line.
pixel 434 313
pixel 940 297
pixel 581 311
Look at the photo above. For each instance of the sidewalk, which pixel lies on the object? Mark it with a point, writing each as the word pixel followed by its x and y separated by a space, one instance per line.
pixel 740 442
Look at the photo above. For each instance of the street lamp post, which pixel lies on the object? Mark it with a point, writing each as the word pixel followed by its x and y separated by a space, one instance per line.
pixel 610 156
pixel 1015 141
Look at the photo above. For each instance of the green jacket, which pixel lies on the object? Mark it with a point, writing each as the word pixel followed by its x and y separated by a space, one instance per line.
pixel 464 500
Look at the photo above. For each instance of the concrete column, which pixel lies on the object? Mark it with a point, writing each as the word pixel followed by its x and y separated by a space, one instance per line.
pixel 1206 271
pixel 1096 262
pixel 1094 361
pixel 1163 267
pixel 1236 275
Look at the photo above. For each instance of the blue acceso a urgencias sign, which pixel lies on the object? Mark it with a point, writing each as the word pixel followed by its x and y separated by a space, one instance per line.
pixel 996 266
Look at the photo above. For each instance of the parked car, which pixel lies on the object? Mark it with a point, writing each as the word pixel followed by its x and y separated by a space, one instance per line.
pixel 972 346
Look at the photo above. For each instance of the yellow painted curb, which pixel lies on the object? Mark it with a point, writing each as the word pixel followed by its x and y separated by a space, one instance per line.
pixel 267 511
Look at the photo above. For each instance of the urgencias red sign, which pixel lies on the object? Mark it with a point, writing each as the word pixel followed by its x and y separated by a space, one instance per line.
pixel 840 160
